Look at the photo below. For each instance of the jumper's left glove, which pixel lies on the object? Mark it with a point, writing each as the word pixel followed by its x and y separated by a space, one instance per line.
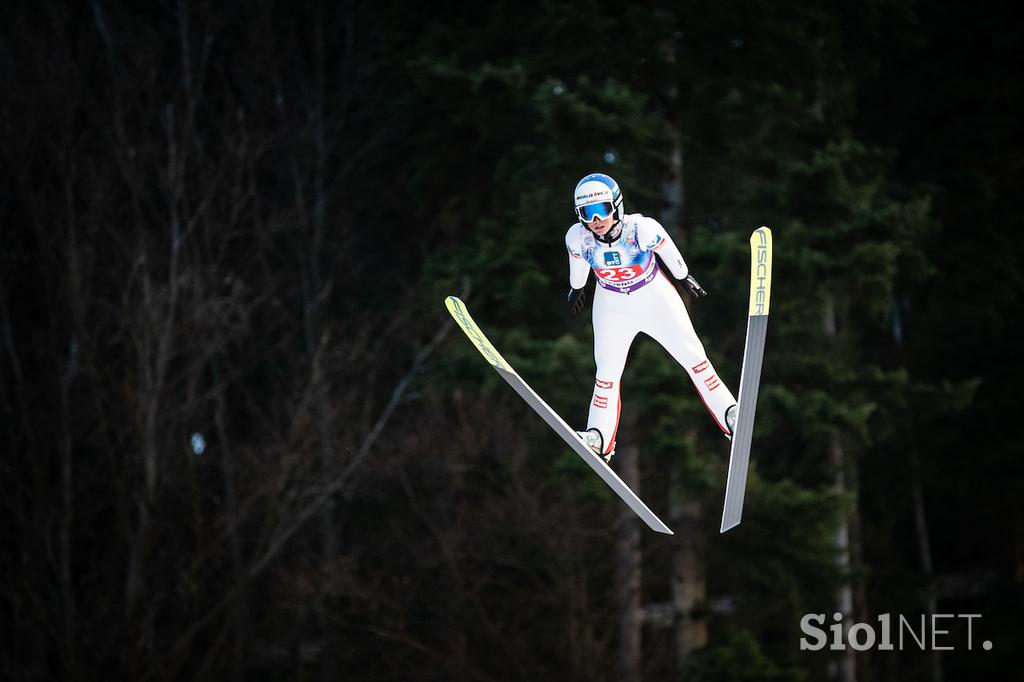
pixel 576 299
pixel 694 287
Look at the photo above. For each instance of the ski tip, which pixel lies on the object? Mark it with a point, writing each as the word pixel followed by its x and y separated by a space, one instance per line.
pixel 458 310
pixel 728 525
pixel 658 526
pixel 760 271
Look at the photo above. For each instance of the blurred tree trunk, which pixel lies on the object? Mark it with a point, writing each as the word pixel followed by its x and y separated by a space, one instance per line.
pixel 310 183
pixel 847 670
pixel 69 374
pixel 1018 544
pixel 313 69
pixel 847 667
pixel 628 573
pixel 228 467
pixel 155 318
pixel 925 555
pixel 861 607
pixel 689 589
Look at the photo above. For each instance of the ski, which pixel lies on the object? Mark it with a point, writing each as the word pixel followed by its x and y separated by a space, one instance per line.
pixel 458 310
pixel 750 376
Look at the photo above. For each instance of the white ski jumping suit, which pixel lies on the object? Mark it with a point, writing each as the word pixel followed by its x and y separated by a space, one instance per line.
pixel 632 296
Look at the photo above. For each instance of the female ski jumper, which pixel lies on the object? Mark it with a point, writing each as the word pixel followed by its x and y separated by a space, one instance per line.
pixel 633 295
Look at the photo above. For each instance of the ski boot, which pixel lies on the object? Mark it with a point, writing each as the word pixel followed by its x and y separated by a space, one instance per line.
pixel 594 440
pixel 730 420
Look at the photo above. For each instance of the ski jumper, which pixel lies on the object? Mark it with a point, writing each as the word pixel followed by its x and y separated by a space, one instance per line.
pixel 632 295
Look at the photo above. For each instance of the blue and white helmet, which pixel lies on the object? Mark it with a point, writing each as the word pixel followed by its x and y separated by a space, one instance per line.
pixel 597 196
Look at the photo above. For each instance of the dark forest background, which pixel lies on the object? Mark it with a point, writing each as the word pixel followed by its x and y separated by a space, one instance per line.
pixel 241 440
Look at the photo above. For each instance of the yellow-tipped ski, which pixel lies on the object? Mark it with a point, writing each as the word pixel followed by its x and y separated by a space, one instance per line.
pixel 750 378
pixel 458 310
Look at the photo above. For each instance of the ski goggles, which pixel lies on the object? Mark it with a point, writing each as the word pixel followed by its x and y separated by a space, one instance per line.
pixel 592 212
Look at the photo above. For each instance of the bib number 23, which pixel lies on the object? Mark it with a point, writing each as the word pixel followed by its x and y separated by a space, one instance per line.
pixel 620 274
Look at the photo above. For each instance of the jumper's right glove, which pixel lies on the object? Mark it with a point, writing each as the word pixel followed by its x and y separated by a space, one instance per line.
pixel 576 300
pixel 694 287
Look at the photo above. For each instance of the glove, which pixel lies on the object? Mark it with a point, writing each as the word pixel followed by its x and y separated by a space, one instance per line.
pixel 576 300
pixel 694 287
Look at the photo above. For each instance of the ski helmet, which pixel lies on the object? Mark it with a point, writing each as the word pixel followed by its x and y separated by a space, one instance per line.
pixel 598 196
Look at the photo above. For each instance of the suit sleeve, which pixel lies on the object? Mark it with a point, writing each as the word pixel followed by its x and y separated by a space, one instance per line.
pixel 653 237
pixel 579 269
